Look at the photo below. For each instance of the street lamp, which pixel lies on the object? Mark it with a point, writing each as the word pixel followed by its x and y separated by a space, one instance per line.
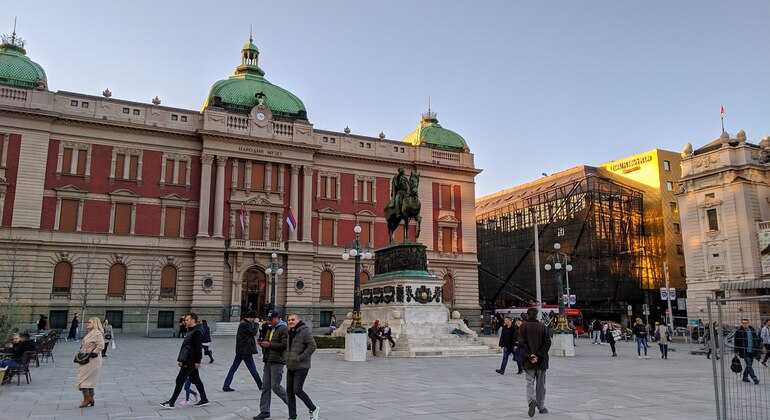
pixel 560 264
pixel 273 269
pixel 357 252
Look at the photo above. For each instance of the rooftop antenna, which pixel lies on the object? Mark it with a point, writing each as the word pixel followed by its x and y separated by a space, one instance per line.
pixel 13 36
pixel 251 32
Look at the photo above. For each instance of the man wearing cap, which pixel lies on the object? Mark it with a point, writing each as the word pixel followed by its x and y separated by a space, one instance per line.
pixel 245 348
pixel 273 348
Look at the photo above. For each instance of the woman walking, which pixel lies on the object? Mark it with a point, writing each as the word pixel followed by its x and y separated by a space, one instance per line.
pixel 662 335
pixel 207 341
pixel 88 374
pixel 74 324
pixel 107 336
pixel 641 338
pixel 610 337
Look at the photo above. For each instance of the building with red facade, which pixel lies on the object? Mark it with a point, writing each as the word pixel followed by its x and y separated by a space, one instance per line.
pixel 117 206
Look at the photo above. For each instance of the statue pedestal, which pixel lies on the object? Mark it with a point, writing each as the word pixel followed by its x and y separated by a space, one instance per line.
pixel 355 347
pixel 562 344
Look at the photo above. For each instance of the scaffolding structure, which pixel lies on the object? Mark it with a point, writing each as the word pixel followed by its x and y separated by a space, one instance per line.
pixel 599 224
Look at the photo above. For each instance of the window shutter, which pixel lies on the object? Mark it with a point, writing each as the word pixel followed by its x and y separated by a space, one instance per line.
pixel 257 176
pixel 446 197
pixel 360 184
pixel 66 166
pixel 122 218
pixel 62 277
pixel 81 162
pixel 116 285
pixel 133 169
pixel 68 218
pixel 274 177
pixel 449 291
pixel 327 232
pixel 168 281
pixel 369 191
pixel 327 285
pixel 171 225
pixel 182 176
pixel 446 239
pixel 120 161
pixel 324 181
pixel 256 224
pixel 169 179
pixel 333 181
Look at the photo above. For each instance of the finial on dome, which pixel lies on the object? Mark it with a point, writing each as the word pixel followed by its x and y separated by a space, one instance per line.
pixel 14 41
pixel 156 101
pixel 347 130
pixel 251 33
pixel 741 136
pixel 106 93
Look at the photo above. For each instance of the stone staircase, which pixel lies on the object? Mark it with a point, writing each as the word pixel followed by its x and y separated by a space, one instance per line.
pixel 441 345
pixel 225 328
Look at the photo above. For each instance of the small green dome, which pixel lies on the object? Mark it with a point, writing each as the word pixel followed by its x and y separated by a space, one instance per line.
pixel 430 133
pixel 242 91
pixel 16 69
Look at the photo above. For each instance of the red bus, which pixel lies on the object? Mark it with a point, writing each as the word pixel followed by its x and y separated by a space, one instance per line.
pixel 572 314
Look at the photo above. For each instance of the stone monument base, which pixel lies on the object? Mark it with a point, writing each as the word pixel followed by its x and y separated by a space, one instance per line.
pixel 562 344
pixel 355 347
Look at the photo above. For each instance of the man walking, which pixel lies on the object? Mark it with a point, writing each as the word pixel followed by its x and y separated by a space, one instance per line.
pixel 508 343
pixel 534 342
pixel 245 348
pixel 765 335
pixel 273 349
pixel 189 361
pixel 747 346
pixel 301 348
pixel 597 329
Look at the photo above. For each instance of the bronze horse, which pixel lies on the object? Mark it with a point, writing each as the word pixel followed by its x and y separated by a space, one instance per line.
pixel 410 209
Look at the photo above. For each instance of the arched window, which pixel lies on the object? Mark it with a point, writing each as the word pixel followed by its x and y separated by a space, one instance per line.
pixel 168 281
pixel 364 277
pixel 449 291
pixel 116 285
pixel 327 285
pixel 62 278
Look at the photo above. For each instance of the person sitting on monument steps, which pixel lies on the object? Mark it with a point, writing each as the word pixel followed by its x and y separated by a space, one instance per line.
pixel 386 333
pixel 375 333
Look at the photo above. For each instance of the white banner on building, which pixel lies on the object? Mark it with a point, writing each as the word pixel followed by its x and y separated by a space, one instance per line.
pixel 763 233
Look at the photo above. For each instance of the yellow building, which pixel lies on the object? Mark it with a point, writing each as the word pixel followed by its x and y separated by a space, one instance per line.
pixel 655 173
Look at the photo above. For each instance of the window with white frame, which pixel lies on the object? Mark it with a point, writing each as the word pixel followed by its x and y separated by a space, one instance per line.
pixel 257 175
pixel 365 189
pixel 69 208
pixel 446 197
pixel 328 185
pixel 74 159
pixel 123 212
pixel 172 217
pixel 176 169
pixel 126 164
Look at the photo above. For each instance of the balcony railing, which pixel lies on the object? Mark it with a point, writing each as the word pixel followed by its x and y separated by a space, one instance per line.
pixel 248 244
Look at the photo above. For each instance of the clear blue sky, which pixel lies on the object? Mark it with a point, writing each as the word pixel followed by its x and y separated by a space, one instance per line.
pixel 536 86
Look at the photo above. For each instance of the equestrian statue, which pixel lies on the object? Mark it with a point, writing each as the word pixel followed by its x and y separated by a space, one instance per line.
pixel 404 204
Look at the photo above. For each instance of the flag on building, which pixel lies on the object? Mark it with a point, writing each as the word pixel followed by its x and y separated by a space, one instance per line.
pixel 722 112
pixel 291 220
pixel 243 220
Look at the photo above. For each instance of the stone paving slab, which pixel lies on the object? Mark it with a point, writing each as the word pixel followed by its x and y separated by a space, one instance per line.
pixel 140 373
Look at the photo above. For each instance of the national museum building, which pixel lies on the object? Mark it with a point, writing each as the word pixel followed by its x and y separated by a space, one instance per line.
pixel 132 205
pixel 617 223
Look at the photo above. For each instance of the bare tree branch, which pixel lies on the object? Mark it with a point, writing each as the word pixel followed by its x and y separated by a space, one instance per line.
pixel 151 286
pixel 87 276
pixel 13 270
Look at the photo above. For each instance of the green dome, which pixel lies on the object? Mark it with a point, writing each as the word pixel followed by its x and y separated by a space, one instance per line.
pixel 430 133
pixel 16 69
pixel 240 92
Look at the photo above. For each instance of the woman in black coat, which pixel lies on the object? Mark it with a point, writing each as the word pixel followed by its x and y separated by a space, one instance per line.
pixel 73 334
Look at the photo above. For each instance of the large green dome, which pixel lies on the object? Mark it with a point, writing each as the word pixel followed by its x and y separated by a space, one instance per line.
pixel 430 133
pixel 16 69
pixel 242 91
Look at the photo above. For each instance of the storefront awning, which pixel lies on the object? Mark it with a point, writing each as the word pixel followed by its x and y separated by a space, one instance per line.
pixel 746 285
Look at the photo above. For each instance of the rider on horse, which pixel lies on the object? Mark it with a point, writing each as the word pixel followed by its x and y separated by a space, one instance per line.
pixel 400 188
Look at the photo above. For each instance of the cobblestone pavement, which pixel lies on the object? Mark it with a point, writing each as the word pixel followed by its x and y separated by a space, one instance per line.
pixel 140 373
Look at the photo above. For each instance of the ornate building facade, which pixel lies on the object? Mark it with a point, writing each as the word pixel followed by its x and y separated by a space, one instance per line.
pixel 723 196
pixel 128 206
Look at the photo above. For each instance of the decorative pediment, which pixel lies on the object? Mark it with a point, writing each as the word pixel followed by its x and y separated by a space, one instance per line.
pixel 329 210
pixel 124 193
pixel 365 213
pixel 258 201
pixel 69 189
pixel 710 202
pixel 448 219
pixel 174 197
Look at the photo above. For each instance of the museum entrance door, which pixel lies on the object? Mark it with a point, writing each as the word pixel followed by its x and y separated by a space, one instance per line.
pixel 254 292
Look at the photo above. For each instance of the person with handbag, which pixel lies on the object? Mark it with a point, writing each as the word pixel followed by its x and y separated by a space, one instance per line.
pixel 89 358
pixel 107 336
pixel 189 362
pixel 535 341
pixel 664 338
pixel 747 346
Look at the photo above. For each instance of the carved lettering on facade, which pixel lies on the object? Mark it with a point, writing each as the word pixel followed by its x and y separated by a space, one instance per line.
pixel 258 151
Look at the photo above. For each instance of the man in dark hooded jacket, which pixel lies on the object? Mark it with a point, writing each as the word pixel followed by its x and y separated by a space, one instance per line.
pixel 245 349
pixel 297 358
pixel 534 342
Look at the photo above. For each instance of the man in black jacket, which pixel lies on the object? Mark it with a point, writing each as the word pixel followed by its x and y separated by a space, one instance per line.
pixel 535 341
pixel 508 341
pixel 245 348
pixel 747 345
pixel 189 361
pixel 276 342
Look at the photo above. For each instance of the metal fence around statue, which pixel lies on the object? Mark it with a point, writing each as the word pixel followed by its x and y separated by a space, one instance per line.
pixel 741 380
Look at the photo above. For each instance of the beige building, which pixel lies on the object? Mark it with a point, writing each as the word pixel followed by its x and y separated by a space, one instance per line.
pixel 723 199
pixel 129 206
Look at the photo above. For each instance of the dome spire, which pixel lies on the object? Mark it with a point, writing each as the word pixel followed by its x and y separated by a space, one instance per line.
pixel 250 58
pixel 13 42
pixel 429 116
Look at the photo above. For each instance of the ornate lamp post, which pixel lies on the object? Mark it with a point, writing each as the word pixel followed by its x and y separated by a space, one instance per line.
pixel 273 269
pixel 357 252
pixel 560 264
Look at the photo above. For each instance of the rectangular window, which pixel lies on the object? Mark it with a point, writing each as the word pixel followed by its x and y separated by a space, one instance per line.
pixel 84 104
pixel 322 187
pixel 326 318
pixel 115 318
pixel 257 176
pixel 677 228
pixel 273 226
pixel 126 110
pixel 172 222
pixel 327 232
pixel 256 225
pixel 241 175
pixel 666 165
pixel 170 171
pixel 184 118
pixel 669 185
pixel 66 167
pixel 360 184
pixel 366 229
pixel 446 239
pixel 81 170
pixel 682 271
pixel 165 319
pixel 57 320
pixel 446 197
pixel 68 217
pixel 133 167
pixel 332 187
pixel 711 214
pixel 182 175
pixel 679 250
pixel 120 163
pixel 174 117
pixel 673 205
pixel 122 219
pixel 136 112
pixel 328 187
pixel 274 177
pixel 73 103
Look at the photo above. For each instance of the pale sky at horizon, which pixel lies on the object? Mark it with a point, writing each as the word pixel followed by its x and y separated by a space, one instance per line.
pixel 538 86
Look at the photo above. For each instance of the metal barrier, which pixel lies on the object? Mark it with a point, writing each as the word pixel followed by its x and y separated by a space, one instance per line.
pixel 737 398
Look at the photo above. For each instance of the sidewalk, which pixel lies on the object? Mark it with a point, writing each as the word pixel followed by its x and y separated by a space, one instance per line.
pixel 140 373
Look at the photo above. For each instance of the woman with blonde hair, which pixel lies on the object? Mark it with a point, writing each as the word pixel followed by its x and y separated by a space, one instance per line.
pixel 88 373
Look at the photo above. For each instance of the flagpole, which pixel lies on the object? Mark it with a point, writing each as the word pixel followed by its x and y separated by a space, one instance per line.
pixel 722 116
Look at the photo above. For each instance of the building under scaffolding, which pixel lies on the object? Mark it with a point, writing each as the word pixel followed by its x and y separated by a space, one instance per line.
pixel 599 224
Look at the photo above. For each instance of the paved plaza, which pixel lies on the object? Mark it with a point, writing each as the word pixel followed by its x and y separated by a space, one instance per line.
pixel 140 373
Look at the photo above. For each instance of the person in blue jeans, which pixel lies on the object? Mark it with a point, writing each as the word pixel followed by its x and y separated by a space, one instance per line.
pixel 641 338
pixel 747 346
pixel 187 391
pixel 21 345
pixel 508 343
pixel 245 348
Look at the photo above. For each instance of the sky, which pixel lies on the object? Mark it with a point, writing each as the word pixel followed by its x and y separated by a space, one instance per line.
pixel 533 86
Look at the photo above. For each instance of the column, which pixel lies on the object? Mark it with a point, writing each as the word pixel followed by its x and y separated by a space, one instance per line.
pixel 219 197
pixel 307 204
pixel 293 198
pixel 205 196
